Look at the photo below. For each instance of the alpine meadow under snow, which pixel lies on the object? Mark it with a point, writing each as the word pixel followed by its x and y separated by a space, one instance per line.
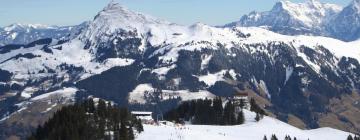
pixel 251 130
pixel 294 60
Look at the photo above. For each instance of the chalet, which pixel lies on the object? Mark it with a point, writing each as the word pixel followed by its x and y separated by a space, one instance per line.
pixel 145 117
pixel 241 99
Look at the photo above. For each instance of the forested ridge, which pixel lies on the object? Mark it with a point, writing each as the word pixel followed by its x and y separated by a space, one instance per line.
pixel 212 112
pixel 89 120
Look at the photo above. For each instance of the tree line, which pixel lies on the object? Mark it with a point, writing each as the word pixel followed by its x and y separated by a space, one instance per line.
pixel 211 112
pixel 350 137
pixel 89 121
pixel 273 137
pixel 287 137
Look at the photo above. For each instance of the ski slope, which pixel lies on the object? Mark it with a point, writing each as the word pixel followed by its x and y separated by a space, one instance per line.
pixel 251 130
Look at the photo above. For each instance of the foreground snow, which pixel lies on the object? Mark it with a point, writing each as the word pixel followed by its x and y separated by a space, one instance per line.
pixel 251 130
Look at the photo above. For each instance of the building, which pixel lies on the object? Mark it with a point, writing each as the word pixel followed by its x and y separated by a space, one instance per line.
pixel 241 99
pixel 145 117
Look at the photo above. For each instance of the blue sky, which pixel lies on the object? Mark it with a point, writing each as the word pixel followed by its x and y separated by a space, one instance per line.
pixel 71 12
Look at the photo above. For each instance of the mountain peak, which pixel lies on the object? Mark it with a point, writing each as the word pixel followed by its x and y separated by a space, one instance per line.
pixel 114 14
pixel 355 4
pixel 287 17
pixel 356 1
pixel 115 7
pixel 313 1
pixel 316 4
pixel 114 17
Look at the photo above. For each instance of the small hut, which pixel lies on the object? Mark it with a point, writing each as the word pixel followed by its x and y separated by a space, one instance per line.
pixel 145 117
pixel 241 100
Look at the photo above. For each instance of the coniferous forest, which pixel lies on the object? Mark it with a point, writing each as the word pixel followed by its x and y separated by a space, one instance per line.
pixel 89 121
pixel 206 112
pixel 353 138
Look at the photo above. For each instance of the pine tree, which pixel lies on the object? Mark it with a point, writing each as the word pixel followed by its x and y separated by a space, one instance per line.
pixel 273 137
pixel 253 105
pixel 101 108
pixel 257 117
pixel 218 109
pixel 350 137
pixel 138 125
pixel 357 137
pixel 240 117
pixel 131 133
pixel 287 137
pixel 265 138
pixel 90 105
pixel 124 134
pixel 229 114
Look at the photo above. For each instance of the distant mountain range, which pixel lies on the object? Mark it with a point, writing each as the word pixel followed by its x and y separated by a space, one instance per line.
pixel 150 64
pixel 27 33
pixel 309 18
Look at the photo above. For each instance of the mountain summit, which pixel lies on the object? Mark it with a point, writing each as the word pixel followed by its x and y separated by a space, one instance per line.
pixel 309 18
pixel 346 24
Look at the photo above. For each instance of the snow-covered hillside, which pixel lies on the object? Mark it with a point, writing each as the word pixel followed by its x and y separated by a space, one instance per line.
pixel 251 130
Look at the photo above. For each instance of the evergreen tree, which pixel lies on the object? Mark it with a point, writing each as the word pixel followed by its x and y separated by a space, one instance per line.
pixel 257 117
pixel 101 107
pixel 240 118
pixel 90 105
pixel 253 105
pixel 138 126
pixel 265 138
pixel 131 133
pixel 218 110
pixel 273 137
pixel 287 137
pixel 124 134
pixel 350 137
pixel 242 104
pixel 357 137
pixel 229 114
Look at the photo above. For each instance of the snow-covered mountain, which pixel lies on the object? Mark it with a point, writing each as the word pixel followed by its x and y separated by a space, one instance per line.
pixel 310 18
pixel 27 33
pixel 148 63
pixel 346 24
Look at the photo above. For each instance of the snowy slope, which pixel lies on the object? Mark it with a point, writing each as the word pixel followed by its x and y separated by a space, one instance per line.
pixel 251 130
